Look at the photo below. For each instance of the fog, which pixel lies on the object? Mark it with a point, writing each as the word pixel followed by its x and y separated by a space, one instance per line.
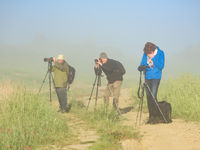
pixel 80 31
pixel 29 58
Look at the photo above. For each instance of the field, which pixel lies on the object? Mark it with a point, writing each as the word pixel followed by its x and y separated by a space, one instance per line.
pixel 29 121
pixel 183 93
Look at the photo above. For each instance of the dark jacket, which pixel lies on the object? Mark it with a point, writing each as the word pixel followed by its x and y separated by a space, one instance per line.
pixel 113 70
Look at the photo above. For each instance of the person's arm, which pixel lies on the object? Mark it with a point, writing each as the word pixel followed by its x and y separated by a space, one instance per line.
pixel 159 62
pixel 96 69
pixel 53 67
pixel 144 60
pixel 67 69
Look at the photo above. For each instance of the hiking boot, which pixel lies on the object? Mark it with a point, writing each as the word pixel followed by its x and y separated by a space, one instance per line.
pixel 68 108
pixel 151 120
pixel 61 111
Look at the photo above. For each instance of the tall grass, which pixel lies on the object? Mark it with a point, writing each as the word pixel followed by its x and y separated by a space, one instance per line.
pixel 7 88
pixel 108 124
pixel 184 94
pixel 27 121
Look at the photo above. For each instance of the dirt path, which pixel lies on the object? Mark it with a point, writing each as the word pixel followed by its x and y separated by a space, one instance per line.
pixel 179 135
pixel 82 136
pixel 85 135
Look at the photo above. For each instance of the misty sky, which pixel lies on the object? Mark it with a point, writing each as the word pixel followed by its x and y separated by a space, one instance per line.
pixel 83 28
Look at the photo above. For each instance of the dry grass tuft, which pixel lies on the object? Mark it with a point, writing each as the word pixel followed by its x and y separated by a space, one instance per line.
pixel 7 88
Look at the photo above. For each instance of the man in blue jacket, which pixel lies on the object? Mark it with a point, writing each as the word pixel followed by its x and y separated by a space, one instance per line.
pixel 154 59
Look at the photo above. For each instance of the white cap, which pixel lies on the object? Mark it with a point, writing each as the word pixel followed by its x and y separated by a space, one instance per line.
pixel 60 57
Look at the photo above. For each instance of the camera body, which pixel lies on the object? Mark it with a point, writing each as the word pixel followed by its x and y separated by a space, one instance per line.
pixel 142 68
pixel 97 60
pixel 49 60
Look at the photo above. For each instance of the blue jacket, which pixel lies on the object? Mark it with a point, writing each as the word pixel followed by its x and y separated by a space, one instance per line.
pixel 158 61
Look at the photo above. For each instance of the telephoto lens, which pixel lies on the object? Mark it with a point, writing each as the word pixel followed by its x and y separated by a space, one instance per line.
pixel 48 59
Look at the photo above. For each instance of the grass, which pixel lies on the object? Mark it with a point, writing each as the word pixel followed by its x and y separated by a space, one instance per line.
pixel 108 124
pixel 183 93
pixel 28 121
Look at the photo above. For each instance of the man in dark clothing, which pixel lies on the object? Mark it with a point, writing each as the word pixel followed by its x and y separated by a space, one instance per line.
pixel 61 70
pixel 114 72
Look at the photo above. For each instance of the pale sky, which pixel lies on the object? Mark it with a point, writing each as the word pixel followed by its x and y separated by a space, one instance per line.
pixel 119 27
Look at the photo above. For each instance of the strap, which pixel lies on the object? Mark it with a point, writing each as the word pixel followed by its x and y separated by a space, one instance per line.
pixel 139 93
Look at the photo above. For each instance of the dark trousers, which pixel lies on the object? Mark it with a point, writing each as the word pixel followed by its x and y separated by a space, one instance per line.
pixel 62 97
pixel 153 85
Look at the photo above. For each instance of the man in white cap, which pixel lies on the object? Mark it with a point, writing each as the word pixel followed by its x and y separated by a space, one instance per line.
pixel 61 71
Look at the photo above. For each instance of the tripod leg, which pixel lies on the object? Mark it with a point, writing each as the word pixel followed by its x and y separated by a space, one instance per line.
pixel 43 82
pixel 97 90
pixel 156 103
pixel 54 85
pixel 91 92
pixel 139 108
pixel 50 96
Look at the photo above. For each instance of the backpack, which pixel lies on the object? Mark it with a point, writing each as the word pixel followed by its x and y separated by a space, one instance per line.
pixel 166 109
pixel 71 74
pixel 120 68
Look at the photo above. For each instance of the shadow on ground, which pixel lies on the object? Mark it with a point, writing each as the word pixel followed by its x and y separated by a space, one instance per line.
pixel 126 109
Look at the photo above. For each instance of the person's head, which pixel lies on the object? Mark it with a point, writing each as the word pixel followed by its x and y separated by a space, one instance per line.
pixel 149 48
pixel 103 56
pixel 60 58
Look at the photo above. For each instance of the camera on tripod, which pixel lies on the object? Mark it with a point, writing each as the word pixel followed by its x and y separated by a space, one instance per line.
pixel 49 60
pixel 142 68
pixel 98 60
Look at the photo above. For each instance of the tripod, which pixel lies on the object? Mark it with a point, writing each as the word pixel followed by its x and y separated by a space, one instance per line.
pixel 50 80
pixel 97 82
pixel 141 96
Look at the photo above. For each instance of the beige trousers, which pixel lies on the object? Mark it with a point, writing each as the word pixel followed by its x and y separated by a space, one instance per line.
pixel 114 90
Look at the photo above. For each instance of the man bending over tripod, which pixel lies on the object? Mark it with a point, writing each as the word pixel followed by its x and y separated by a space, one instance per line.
pixel 61 71
pixel 114 72
pixel 154 60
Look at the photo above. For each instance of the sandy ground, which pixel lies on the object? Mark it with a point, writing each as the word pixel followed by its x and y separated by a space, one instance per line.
pixel 178 135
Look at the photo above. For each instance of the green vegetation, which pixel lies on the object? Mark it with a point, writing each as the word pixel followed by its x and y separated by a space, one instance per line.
pixel 108 124
pixel 183 93
pixel 28 120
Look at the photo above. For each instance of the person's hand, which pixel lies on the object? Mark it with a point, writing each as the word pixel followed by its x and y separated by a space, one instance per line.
pixel 150 61
pixel 98 62
pixel 96 65
pixel 150 55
